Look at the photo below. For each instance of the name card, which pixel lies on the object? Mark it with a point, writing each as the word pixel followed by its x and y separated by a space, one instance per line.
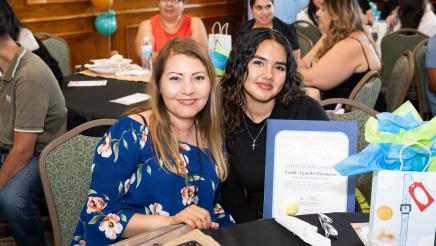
pixel 132 99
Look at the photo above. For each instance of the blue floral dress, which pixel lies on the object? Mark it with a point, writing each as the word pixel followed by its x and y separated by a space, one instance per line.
pixel 127 179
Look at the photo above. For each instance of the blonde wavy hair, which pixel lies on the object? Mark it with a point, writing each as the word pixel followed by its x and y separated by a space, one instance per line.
pixel 346 17
pixel 208 122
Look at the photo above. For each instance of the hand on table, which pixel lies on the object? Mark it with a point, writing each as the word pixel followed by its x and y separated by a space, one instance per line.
pixel 195 217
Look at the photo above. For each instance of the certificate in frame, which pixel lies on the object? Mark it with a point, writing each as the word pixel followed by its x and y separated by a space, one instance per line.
pixel 300 159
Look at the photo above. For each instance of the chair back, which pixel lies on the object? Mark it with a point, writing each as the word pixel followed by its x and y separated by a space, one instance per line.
pixel 361 116
pixel 399 81
pixel 420 78
pixel 393 45
pixel 304 43
pixel 59 49
pixel 65 169
pixel 308 29
pixel 367 90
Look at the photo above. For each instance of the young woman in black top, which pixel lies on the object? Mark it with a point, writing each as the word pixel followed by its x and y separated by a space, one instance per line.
pixel 263 16
pixel 261 82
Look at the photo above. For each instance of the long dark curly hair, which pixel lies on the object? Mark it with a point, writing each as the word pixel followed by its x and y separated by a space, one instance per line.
pixel 232 83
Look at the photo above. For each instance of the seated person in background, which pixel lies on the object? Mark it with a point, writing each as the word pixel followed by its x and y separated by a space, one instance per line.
pixel 388 7
pixel 261 82
pixel 263 16
pixel 26 38
pixel 170 23
pixel 416 14
pixel 309 12
pixel 366 11
pixel 343 55
pixel 32 113
pixel 161 166
pixel 430 64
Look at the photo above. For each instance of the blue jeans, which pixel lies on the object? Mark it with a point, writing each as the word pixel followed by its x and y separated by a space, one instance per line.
pixel 18 204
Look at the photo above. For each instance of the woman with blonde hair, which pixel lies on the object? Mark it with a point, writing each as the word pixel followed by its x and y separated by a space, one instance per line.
pixel 343 55
pixel 161 166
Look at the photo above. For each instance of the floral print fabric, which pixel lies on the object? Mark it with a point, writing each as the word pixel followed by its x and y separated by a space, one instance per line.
pixel 127 179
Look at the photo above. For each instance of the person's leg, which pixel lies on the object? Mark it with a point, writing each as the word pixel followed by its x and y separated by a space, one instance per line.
pixel 18 205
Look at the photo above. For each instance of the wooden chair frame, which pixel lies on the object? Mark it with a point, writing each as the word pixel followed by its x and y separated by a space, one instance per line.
pixel 365 79
pixel 352 103
pixel 46 35
pixel 405 31
pixel 43 171
pixel 306 39
pixel 408 81
pixel 298 22
pixel 422 97
pixel 368 76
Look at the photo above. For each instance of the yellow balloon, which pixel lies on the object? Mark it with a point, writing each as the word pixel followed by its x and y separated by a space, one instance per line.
pixel 102 4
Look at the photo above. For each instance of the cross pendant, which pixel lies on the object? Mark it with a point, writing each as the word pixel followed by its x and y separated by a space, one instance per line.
pixel 254 144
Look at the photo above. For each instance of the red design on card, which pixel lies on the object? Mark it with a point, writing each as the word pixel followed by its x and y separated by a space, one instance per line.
pixel 420 196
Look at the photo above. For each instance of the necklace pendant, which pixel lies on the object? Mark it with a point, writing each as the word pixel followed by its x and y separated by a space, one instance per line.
pixel 254 144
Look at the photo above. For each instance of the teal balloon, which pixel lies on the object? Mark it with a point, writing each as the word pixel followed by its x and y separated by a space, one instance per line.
pixel 106 23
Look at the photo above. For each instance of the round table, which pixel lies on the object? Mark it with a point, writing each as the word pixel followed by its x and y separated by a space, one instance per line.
pixel 93 102
pixel 269 232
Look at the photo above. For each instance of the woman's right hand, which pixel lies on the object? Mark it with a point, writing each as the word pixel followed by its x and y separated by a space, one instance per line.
pixel 194 216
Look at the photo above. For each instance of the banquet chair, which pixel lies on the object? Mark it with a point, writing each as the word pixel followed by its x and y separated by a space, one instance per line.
pixel 65 169
pixel 304 43
pixel 358 112
pixel 392 47
pixel 59 49
pixel 399 81
pixel 361 114
pixel 308 29
pixel 420 78
pixel 367 90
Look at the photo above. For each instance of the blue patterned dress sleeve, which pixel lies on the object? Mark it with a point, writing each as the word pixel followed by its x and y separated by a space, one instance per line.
pixel 127 178
pixel 105 215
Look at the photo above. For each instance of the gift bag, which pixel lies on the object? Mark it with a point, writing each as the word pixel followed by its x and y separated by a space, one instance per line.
pixel 220 45
pixel 387 135
pixel 403 206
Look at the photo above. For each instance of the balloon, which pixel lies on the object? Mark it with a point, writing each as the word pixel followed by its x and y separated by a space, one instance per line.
pixel 102 4
pixel 106 23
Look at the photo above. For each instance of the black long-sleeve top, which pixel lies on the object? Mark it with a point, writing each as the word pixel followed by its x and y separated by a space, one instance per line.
pixel 247 166
pixel 287 30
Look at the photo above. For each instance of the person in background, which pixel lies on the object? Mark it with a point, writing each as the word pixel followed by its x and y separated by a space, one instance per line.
pixel 430 64
pixel 343 55
pixel 26 38
pixel 415 14
pixel 368 15
pixel 261 82
pixel 388 7
pixel 263 16
pixel 32 113
pixel 168 24
pixel 161 166
pixel 309 12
